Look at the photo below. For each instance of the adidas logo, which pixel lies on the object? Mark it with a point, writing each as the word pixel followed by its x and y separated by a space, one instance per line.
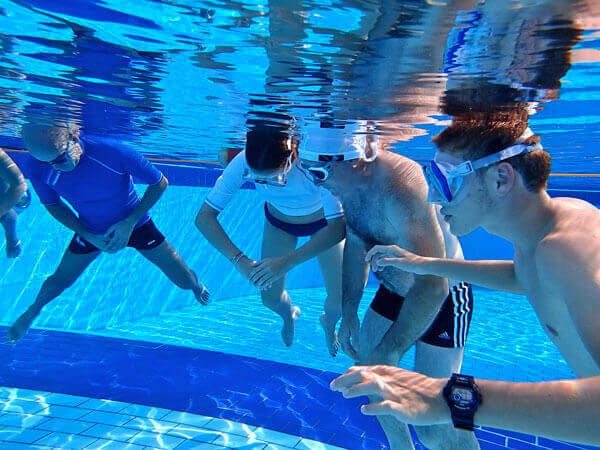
pixel 444 335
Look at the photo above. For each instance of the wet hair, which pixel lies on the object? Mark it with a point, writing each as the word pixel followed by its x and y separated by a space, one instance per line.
pixel 475 135
pixel 267 147
pixel 44 137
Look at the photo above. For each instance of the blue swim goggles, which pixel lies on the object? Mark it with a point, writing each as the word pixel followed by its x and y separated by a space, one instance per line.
pixel 446 180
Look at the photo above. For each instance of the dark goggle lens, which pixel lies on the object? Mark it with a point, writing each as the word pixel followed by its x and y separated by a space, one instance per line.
pixel 60 159
pixel 439 181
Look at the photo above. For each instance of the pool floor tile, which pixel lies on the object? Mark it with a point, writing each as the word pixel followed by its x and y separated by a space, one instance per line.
pixel 22 435
pixel 104 444
pixel 110 432
pixel 21 420
pixel 187 418
pixel 63 412
pixel 65 400
pixel 106 418
pixel 64 440
pixel 194 433
pixel 156 440
pixel 105 405
pixel 64 425
pixel 236 441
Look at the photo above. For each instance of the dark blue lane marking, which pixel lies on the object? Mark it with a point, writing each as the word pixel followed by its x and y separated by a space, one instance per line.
pixel 282 397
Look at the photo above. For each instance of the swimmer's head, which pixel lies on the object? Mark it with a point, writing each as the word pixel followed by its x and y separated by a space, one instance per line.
pixel 56 145
pixel 270 151
pixel 489 190
pixel 324 148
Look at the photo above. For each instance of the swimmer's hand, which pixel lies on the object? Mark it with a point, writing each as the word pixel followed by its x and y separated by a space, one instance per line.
pixel 382 256
pixel 267 271
pixel 98 240
pixel 118 235
pixel 245 266
pixel 408 396
pixel 348 335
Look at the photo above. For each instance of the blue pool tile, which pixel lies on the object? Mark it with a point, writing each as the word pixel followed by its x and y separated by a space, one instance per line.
pixel 65 400
pixel 22 394
pixel 230 427
pixel 106 418
pixel 557 445
pixel 64 440
pixel 145 411
pixel 512 434
pixel 521 445
pixel 64 425
pixel 194 433
pixel 187 418
pixel 25 436
pixel 18 446
pixel 21 420
pixel 63 412
pixel 156 440
pixel 21 406
pixel 236 441
pixel 104 444
pixel 491 437
pixel 275 437
pixel 485 445
pixel 145 424
pixel 104 405
pixel 193 445
pixel 110 432
pixel 308 444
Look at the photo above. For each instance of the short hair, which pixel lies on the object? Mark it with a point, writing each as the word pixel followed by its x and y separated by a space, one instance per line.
pixel 267 147
pixel 49 138
pixel 475 135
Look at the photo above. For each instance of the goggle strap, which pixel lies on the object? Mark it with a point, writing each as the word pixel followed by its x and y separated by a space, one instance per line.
pixel 509 152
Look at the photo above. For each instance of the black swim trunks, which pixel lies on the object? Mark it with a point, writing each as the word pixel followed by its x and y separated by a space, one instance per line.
pixel 145 237
pixel 450 327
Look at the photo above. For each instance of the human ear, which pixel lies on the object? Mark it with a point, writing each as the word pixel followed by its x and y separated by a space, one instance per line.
pixel 504 178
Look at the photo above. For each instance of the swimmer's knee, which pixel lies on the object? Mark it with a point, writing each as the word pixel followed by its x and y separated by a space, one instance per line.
pixel 59 283
pixel 9 218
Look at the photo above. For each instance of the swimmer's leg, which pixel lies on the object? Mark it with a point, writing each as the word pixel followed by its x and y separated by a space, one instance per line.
pixel 373 328
pixel 9 222
pixel 70 268
pixel 277 243
pixel 442 362
pixel 166 258
pixel 330 262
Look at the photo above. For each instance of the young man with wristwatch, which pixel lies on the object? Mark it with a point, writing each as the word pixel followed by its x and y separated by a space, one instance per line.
pixel 491 171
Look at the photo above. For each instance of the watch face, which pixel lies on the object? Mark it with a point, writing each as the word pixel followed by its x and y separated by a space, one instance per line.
pixel 462 397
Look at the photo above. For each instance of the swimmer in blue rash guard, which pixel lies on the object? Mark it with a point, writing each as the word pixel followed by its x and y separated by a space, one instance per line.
pixel 95 176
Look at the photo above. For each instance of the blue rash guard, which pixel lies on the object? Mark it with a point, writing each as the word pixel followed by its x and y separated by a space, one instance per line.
pixel 100 188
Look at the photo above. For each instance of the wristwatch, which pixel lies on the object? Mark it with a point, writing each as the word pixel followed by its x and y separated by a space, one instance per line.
pixel 463 398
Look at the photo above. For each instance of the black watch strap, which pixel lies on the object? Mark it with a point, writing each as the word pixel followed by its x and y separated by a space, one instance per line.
pixel 462 412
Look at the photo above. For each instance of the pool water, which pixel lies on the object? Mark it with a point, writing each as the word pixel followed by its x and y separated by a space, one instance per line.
pixel 125 360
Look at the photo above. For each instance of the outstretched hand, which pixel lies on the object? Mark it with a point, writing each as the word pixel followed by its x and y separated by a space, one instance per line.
pixel 381 256
pixel 408 396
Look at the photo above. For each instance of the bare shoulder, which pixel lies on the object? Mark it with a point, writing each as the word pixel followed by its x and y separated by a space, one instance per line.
pixel 405 186
pixel 573 244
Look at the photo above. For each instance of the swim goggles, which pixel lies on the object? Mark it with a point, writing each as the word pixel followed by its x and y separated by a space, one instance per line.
pixel 446 180
pixel 319 171
pixel 278 180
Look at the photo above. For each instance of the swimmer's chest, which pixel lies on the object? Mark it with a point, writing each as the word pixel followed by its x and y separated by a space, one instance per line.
pixel 367 219
pixel 553 314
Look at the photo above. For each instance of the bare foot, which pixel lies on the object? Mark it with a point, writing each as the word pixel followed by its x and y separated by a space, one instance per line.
pixel 20 327
pixel 13 249
pixel 289 327
pixel 202 294
pixel 333 345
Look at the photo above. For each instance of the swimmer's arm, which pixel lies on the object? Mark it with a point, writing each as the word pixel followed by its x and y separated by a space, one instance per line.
pixel 569 268
pixel 355 272
pixel 10 173
pixel 61 212
pixel 566 409
pixel 327 237
pixel 208 224
pixel 425 297
pixel 150 197
pixel 498 275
